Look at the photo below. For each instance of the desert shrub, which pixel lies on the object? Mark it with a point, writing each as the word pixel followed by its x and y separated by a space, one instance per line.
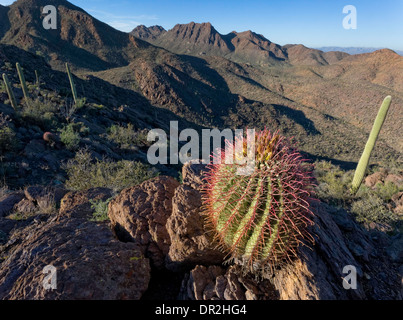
pixel 2 86
pixel 127 137
pixel 81 103
pixel 85 173
pixel 386 190
pixel 372 209
pixel 67 110
pixel 100 210
pixel 47 205
pixel 3 189
pixel 41 112
pixel 368 205
pixel 70 137
pixel 333 183
pixel 7 135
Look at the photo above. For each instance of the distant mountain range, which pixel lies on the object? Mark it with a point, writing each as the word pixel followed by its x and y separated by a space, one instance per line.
pixel 201 39
pixel 355 50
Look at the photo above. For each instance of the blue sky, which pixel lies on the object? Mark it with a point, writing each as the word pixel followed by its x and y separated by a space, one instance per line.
pixel 314 23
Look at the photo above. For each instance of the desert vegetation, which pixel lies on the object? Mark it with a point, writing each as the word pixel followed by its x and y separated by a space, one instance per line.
pixel 77 191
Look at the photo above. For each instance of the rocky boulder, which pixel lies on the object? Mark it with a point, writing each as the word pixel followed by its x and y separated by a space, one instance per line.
pixel 191 241
pixel 89 263
pixel 217 283
pixel 8 201
pixel 77 204
pixel 377 177
pixel 139 214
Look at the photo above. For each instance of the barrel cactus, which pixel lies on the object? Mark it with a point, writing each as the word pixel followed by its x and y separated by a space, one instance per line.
pixel 260 219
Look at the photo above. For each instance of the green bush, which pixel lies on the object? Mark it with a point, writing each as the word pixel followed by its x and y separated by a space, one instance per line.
pixel 387 190
pixel 127 137
pixel 333 183
pixel 7 135
pixel 70 137
pixel 84 173
pixel 2 86
pixel 368 205
pixel 3 189
pixel 41 112
pixel 372 209
pixel 80 103
pixel 100 210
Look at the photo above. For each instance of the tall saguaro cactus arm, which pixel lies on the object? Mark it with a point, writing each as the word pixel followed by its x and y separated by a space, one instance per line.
pixel 73 86
pixel 10 92
pixel 364 160
pixel 23 83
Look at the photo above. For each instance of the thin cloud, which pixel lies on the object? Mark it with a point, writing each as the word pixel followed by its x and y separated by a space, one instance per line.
pixel 121 22
pixel 126 26
pixel 120 17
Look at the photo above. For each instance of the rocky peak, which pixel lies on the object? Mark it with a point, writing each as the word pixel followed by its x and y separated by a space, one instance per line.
pixel 197 33
pixel 147 33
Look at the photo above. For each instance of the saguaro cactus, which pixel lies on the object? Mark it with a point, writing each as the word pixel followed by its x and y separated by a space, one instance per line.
pixel 364 160
pixel 23 83
pixel 37 78
pixel 260 219
pixel 72 84
pixel 10 92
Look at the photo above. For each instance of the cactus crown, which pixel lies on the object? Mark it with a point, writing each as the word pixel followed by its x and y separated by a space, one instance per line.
pixel 260 219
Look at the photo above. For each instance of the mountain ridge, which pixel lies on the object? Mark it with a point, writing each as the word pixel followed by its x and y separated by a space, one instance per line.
pixel 251 81
pixel 79 37
pixel 202 39
pixel 355 50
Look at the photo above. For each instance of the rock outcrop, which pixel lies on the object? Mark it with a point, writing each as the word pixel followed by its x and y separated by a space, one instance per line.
pixel 139 214
pixel 8 201
pixel 191 242
pixel 216 283
pixel 90 263
pixel 77 203
pixel 158 228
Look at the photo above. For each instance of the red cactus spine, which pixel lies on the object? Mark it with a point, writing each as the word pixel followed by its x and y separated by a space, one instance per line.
pixel 261 219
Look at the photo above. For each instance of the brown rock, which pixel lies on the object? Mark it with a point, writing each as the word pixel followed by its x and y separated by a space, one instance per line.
pixel 201 282
pixel 8 201
pixel 90 263
pixel 191 243
pixel 233 290
pixel 216 283
pixel 32 193
pixel 25 206
pixel 398 203
pixel 398 210
pixel 47 199
pixel 40 194
pixel 77 203
pixel 139 214
pixel 192 175
pixel 395 179
pixel 377 177
pixel 398 199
